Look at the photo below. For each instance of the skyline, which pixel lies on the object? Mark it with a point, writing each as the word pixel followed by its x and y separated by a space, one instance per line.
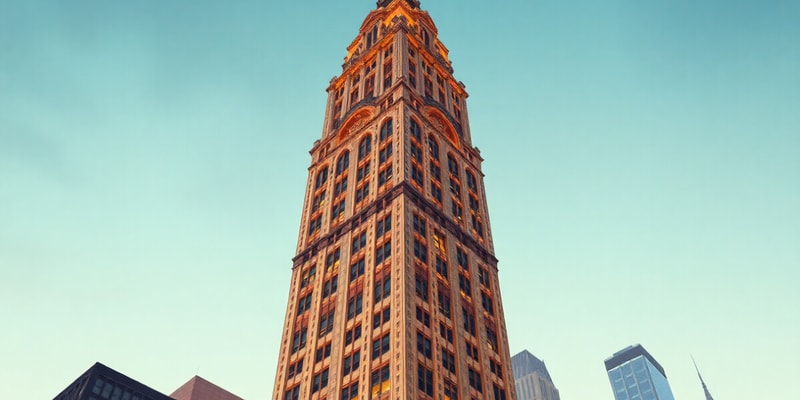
pixel 632 151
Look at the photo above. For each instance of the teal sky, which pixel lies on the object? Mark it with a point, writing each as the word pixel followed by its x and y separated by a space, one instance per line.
pixel 642 174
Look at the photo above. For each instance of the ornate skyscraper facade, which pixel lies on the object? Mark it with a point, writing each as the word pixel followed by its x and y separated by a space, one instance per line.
pixel 394 289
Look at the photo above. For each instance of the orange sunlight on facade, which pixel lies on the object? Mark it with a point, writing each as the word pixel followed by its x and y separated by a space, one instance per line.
pixel 394 291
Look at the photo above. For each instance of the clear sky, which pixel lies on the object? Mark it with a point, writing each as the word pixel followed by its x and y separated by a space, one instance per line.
pixel 642 174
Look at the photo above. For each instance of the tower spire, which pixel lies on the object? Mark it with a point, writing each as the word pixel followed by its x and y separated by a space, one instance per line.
pixel 384 3
pixel 705 389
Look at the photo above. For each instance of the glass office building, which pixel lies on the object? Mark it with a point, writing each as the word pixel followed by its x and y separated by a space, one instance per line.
pixel 635 375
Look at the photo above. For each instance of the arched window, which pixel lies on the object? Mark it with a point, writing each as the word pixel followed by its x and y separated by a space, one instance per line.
pixel 433 147
pixel 342 163
pixel 386 130
pixel 414 130
pixel 364 147
pixel 322 177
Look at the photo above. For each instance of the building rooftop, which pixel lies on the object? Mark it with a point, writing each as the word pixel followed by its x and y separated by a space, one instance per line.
pixel 198 388
pixel 629 353
pixel 525 363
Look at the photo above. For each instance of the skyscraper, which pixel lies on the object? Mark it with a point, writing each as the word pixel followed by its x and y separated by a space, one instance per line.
pixel 702 382
pixel 635 374
pixel 394 291
pixel 101 382
pixel 531 378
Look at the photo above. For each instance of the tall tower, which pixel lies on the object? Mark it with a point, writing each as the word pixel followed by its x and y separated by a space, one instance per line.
pixel 531 378
pixel 702 382
pixel 635 374
pixel 394 291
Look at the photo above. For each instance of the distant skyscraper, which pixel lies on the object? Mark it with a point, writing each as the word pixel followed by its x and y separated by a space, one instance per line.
pixel 635 374
pixel 705 389
pixel 531 378
pixel 100 382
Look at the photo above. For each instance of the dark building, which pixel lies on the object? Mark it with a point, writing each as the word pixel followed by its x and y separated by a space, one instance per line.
pixel 200 389
pixel 103 383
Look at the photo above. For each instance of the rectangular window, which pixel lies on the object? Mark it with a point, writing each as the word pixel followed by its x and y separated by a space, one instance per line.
pixel 352 335
pixel 383 252
pixel 339 187
pixel 486 302
pixel 385 175
pixel 420 251
pixel 436 172
pixel 421 286
pixel 436 192
pixel 332 260
pixel 304 304
pixel 385 153
pixel 450 390
pixel 358 242
pixel 472 351
pixel 383 226
pixel 295 369
pixel 322 352
pixel 499 394
pixel 292 394
pixel 441 266
pixel 350 392
pixel 469 321
pixel 351 362
pixel 425 380
pixel 461 258
pixel 357 269
pixel 424 317
pixel 491 338
pixel 444 304
pixel 423 345
pixel 475 380
pixel 381 317
pixel 299 340
pixel 354 306
pixel 320 381
pixel 387 74
pixel 419 224
pixel 379 382
pixel 380 346
pixel 362 172
pixel 330 286
pixel 337 210
pixel 445 332
pixel 383 288
pixel 448 361
pixel 362 193
pixel 483 277
pixel 464 285
pixel 326 323
pixel 308 276
pixel 496 368
pixel 416 175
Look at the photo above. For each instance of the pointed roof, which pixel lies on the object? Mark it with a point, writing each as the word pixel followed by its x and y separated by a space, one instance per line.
pixel 705 389
pixel 198 388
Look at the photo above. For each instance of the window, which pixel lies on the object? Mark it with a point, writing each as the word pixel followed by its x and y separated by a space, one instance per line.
pixel 441 266
pixel 299 339
pixel 357 269
pixel 308 276
pixel 473 203
pixel 383 226
pixel 469 321
pixel 330 286
pixel 491 338
pixel 416 175
pixel 436 193
pixel 358 242
pixel 428 85
pixel 458 211
pixel 425 380
pixel 322 177
pixel 318 201
pixel 464 285
pixel 295 369
pixel 444 304
pixel 332 260
pixel 386 130
pixel 448 361
pixel 379 381
pixel 486 302
pixel 472 351
pixel 322 352
pixel 385 175
pixel 351 362
pixel 326 323
pixel 412 74
pixel 387 74
pixel 421 285
pixel 339 187
pixel 416 151
pixel 337 210
pixel 314 226
pixel 304 304
pixel 383 252
pixel 452 165
pixel 496 368
pixel 362 193
pixel 423 345
pixel 419 224
pixel 342 163
pixel 436 172
pixel 499 394
pixel 445 332
pixel 423 316
pixel 438 241
pixel 433 147
pixel 471 182
pixel 383 288
pixel 352 335
pixel 477 225
pixel 461 258
pixel 414 131
pixel 372 36
pixel 385 154
pixel 475 380
pixel 380 346
pixel 293 393
pixel 455 188
pixel 350 392
pixel 381 317
pixel 420 251
pixel 364 147
pixel 483 277
pixel 354 306
pixel 320 381
pixel 450 390
pixel 362 172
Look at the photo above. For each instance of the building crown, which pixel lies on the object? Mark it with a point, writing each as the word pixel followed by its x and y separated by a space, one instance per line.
pixel 384 3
